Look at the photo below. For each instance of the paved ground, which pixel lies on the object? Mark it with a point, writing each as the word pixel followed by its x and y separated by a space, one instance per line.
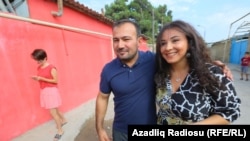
pixel 81 126
pixel 88 131
pixel 243 90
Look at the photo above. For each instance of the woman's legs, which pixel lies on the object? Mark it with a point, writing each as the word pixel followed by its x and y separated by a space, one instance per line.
pixel 58 120
pixel 63 119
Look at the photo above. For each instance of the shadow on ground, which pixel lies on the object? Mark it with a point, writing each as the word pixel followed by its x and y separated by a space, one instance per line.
pixel 88 132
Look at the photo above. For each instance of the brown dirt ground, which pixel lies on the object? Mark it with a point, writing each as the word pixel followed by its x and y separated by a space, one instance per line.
pixel 88 131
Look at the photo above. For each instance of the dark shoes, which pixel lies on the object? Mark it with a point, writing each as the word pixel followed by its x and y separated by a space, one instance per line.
pixel 57 137
pixel 242 79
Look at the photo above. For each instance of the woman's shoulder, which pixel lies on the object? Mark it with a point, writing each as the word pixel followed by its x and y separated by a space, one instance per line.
pixel 51 66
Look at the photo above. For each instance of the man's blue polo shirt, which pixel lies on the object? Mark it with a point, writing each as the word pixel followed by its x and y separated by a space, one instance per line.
pixel 133 89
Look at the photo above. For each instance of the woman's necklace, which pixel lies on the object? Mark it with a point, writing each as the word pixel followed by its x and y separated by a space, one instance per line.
pixel 178 79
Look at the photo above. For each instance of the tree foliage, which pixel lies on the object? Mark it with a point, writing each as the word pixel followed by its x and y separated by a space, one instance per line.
pixel 149 18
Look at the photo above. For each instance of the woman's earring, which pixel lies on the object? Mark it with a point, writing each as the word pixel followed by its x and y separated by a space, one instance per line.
pixel 188 55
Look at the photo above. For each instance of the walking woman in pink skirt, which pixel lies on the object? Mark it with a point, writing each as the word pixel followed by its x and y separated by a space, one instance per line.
pixel 49 95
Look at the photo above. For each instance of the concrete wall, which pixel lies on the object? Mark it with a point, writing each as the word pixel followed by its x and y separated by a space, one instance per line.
pixel 218 51
pixel 222 50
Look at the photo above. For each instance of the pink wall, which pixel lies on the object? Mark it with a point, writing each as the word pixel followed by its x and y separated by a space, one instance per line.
pixel 78 56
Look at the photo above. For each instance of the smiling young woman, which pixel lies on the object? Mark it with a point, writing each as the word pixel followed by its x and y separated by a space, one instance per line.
pixel 190 88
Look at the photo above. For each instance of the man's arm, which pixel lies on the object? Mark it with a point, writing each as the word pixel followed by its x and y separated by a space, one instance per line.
pixel 212 120
pixel 100 112
pixel 225 69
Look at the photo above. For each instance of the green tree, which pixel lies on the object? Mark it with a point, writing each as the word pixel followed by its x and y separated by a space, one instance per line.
pixel 148 17
pixel 117 10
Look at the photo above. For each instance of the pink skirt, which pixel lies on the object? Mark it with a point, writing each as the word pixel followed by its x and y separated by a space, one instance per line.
pixel 50 98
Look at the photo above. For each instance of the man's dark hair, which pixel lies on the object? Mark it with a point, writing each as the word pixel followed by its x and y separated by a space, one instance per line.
pixel 123 21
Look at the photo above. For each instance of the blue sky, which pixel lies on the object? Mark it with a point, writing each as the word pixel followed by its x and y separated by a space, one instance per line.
pixel 211 18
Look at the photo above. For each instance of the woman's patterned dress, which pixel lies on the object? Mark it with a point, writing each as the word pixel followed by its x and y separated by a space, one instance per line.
pixel 191 103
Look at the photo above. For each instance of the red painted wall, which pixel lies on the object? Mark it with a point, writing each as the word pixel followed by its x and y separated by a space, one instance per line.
pixel 78 56
pixel 144 45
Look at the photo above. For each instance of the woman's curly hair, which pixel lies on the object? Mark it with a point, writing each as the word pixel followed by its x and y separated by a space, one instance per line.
pixel 198 60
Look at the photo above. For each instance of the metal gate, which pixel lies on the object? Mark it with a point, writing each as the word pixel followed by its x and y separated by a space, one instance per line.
pixel 238 49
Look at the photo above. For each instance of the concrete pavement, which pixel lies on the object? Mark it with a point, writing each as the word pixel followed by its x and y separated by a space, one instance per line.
pixel 243 90
pixel 77 117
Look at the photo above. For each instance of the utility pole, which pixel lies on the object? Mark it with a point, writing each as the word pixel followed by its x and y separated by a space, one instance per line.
pixel 204 35
pixel 153 31
pixel 153 24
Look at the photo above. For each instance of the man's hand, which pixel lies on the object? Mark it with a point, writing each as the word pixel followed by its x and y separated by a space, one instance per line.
pixel 103 136
pixel 225 69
